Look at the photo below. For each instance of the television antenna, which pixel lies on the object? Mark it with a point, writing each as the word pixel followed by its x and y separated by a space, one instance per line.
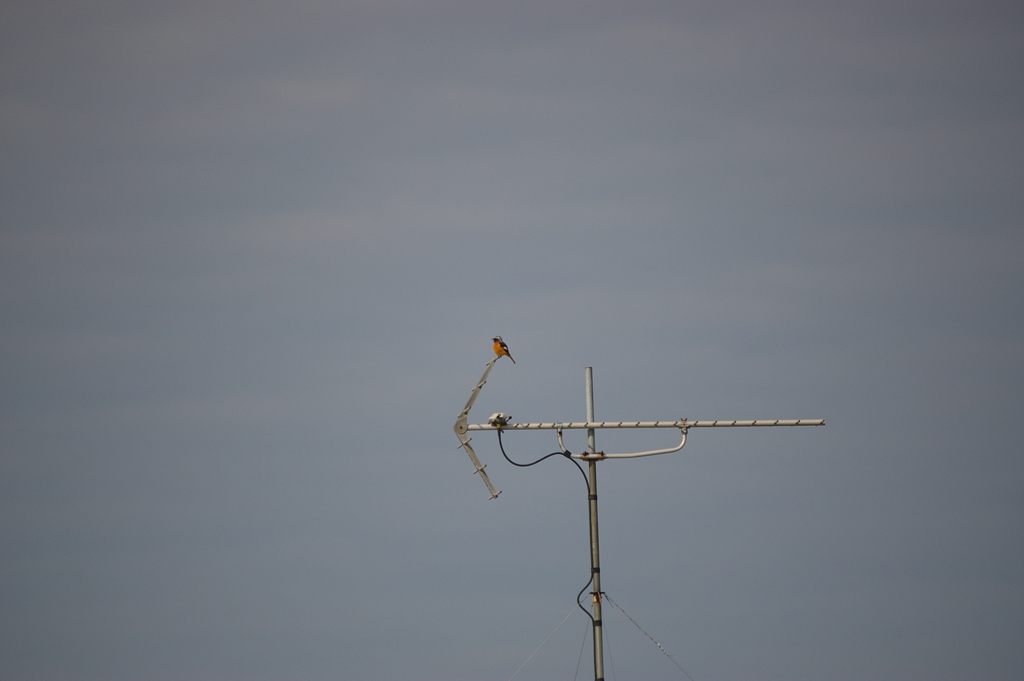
pixel 500 422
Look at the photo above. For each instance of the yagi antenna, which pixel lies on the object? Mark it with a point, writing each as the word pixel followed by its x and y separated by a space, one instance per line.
pixel 500 422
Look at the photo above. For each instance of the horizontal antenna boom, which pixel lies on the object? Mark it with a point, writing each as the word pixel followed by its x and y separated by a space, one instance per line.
pixel 682 423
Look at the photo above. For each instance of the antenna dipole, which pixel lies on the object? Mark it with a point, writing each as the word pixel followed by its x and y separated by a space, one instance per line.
pixel 461 427
pixel 592 456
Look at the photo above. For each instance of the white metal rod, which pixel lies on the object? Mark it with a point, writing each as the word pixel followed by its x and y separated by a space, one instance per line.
pixel 479 466
pixel 682 423
pixel 587 456
pixel 460 422
pixel 588 375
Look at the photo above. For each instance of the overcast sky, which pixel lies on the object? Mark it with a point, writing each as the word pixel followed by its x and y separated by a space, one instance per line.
pixel 252 256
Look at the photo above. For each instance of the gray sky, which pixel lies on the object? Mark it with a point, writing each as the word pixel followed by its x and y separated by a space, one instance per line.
pixel 252 254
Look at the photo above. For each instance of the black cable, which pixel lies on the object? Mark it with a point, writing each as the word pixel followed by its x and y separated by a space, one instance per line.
pixel 585 611
pixel 567 455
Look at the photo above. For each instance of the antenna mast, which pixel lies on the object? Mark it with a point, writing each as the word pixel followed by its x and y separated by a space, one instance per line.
pixel 595 549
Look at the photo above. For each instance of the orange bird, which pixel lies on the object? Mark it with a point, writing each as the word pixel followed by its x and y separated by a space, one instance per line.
pixel 500 348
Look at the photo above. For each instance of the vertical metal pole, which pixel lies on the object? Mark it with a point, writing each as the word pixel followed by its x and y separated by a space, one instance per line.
pixel 595 555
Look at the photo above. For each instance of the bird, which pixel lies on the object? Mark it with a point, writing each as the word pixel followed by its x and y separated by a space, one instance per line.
pixel 500 348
